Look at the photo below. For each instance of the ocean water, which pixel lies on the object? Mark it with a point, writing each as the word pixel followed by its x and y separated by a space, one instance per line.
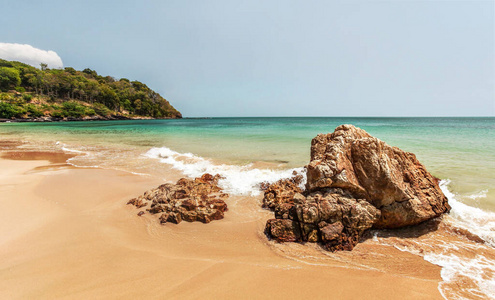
pixel 461 150
pixel 247 151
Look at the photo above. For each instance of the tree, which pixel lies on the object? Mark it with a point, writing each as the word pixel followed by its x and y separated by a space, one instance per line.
pixel 90 72
pixel 9 78
pixel 104 93
pixel 70 70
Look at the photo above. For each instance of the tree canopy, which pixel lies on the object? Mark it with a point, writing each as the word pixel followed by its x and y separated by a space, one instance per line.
pixel 68 84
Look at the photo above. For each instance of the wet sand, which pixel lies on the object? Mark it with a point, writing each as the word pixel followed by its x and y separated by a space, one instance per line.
pixel 67 233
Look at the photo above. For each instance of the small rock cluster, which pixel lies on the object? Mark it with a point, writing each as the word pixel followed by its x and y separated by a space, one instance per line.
pixel 190 200
pixel 354 182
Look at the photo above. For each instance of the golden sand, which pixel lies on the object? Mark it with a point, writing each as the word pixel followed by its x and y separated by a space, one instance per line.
pixel 67 233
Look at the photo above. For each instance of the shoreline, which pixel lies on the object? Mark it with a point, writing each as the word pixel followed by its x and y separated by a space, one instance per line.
pixel 94 118
pixel 74 241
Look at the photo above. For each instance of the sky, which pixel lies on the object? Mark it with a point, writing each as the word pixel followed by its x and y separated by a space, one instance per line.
pixel 225 58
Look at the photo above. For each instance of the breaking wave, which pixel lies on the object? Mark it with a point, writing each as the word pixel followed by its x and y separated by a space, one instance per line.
pixel 468 263
pixel 472 219
pixel 237 180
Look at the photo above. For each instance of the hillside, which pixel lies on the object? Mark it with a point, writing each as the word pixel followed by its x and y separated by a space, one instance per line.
pixel 27 92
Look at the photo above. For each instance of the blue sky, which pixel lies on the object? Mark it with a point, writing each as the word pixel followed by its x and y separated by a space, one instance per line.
pixel 278 58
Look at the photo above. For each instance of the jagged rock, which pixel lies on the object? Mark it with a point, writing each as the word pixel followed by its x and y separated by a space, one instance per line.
pixel 188 204
pixel 218 204
pixel 281 191
pixel 138 203
pixel 163 218
pixel 332 232
pixel 190 200
pixel 283 230
pixel 331 216
pixel 354 182
pixel 189 216
pixel 174 217
pixel 285 211
pixel 392 180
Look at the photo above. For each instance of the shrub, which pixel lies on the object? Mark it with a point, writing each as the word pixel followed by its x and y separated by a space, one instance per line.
pixel 9 78
pixel 33 111
pixel 6 96
pixel 27 97
pixel 101 109
pixel 89 111
pixel 58 114
pixel 8 110
pixel 73 109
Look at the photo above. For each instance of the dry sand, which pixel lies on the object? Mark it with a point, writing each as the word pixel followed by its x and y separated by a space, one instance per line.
pixel 67 233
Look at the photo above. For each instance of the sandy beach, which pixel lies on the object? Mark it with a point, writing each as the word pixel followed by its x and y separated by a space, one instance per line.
pixel 67 233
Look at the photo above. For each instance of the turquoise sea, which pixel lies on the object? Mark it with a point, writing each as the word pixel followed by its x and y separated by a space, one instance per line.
pixel 247 151
pixel 461 150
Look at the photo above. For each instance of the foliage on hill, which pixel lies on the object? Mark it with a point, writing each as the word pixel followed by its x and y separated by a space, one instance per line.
pixel 70 93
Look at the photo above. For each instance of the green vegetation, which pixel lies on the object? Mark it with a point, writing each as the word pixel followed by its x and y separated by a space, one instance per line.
pixel 9 78
pixel 28 92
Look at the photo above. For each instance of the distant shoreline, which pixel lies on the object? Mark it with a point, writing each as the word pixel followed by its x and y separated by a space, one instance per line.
pixel 83 119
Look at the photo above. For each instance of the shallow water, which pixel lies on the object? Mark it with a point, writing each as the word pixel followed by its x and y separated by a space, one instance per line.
pixel 247 151
pixel 459 149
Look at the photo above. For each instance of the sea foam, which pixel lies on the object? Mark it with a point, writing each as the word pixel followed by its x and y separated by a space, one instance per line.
pixel 461 261
pixel 461 274
pixel 472 219
pixel 237 180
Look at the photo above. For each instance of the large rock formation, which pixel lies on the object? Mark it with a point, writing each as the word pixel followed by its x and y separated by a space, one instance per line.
pixel 356 182
pixel 198 199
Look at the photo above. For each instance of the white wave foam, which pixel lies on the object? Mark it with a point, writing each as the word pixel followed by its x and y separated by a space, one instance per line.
pixel 477 269
pixel 64 148
pixel 473 219
pixel 238 180
pixel 73 150
pixel 457 267
pixel 481 194
pixel 70 161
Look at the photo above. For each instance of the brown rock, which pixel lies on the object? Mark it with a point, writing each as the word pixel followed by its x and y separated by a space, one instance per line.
pixel 281 191
pixel 188 205
pixel 189 216
pixel 354 182
pixel 137 202
pixel 191 200
pixel 156 208
pixel 163 218
pixel 348 218
pixel 215 214
pixel 174 217
pixel 283 230
pixel 285 211
pixel 392 180
pixel 309 232
pixel 208 215
pixel 331 232
pixel 218 204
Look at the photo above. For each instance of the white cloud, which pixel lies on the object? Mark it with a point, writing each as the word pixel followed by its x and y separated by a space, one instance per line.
pixel 29 55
